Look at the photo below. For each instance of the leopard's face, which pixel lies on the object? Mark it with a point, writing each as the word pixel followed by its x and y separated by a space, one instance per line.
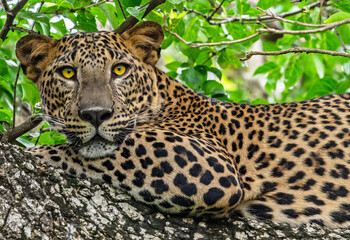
pixel 95 86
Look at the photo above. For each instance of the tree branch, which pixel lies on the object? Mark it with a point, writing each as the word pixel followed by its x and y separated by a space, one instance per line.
pixel 322 29
pixel 132 21
pixel 78 9
pixel 18 131
pixel 295 50
pixel 217 21
pixel 269 13
pixel 197 45
pixel 11 15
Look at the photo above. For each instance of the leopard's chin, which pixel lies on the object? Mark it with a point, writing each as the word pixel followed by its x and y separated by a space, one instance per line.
pixel 97 147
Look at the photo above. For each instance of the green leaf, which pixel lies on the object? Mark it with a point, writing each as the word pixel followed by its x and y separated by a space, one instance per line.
pixel 137 12
pixel 31 93
pixel 337 17
pixel 216 71
pixel 6 115
pixel 111 14
pixel 38 17
pixel 175 1
pixel 292 73
pixel 324 86
pixel 265 4
pixel 266 68
pixel 213 87
pixel 60 26
pixel 128 3
pixel 227 58
pixel 99 14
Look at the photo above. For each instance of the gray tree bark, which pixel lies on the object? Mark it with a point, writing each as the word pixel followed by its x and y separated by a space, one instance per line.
pixel 41 202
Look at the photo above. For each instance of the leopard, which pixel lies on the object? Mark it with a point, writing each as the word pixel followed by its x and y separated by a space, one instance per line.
pixel 129 124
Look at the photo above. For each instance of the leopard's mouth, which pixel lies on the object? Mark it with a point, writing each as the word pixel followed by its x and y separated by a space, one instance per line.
pixel 100 147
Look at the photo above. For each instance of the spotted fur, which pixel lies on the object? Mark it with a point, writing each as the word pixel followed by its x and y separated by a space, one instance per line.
pixel 183 152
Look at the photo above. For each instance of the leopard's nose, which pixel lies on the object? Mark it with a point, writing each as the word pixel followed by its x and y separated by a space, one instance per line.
pixel 95 116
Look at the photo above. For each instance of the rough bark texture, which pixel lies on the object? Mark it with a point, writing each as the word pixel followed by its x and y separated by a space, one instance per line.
pixel 40 202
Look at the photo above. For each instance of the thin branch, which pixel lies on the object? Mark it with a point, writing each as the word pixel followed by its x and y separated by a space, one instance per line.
pixel 14 98
pixel 295 50
pixel 217 21
pixel 13 28
pixel 337 33
pixel 77 9
pixel 197 45
pixel 211 16
pixel 322 29
pixel 132 21
pixel 11 15
pixel 26 126
pixel 269 13
pixel 121 8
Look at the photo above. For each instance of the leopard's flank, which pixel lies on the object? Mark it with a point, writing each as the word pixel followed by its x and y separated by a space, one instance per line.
pixel 131 125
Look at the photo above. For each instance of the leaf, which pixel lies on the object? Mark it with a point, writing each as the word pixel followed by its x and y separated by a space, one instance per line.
pixel 6 115
pixel 128 3
pixel 25 141
pixel 137 12
pixel 38 17
pixel 266 68
pixel 216 71
pixel 293 72
pixel 60 26
pixel 324 86
pixel 337 17
pixel 213 87
pixel 265 4
pixel 175 1
pixel 111 14
pixel 99 14
pixel 227 58
pixel 31 93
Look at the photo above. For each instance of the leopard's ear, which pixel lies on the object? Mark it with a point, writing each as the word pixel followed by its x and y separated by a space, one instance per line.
pixel 34 51
pixel 145 40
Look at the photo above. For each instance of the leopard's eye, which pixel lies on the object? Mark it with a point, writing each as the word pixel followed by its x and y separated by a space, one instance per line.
pixel 120 69
pixel 68 72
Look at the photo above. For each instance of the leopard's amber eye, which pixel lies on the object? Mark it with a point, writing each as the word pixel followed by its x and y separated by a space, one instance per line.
pixel 68 72
pixel 120 69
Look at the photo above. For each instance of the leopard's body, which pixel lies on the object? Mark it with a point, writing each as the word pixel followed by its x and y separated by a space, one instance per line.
pixel 183 152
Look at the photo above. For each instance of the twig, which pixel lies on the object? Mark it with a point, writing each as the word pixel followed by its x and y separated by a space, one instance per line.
pixel 77 9
pixel 295 50
pixel 322 29
pixel 26 126
pixel 337 33
pixel 14 98
pixel 210 57
pixel 12 28
pixel 131 20
pixel 211 16
pixel 217 21
pixel 269 13
pixel 121 8
pixel 11 15
pixel 197 45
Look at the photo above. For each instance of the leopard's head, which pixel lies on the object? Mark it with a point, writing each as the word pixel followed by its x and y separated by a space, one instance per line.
pixel 93 86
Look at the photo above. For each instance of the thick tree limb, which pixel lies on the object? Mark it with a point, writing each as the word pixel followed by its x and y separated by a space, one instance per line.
pixel 295 50
pixel 11 15
pixel 38 202
pixel 132 21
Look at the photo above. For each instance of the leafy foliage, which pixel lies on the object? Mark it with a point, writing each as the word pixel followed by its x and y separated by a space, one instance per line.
pixel 212 70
